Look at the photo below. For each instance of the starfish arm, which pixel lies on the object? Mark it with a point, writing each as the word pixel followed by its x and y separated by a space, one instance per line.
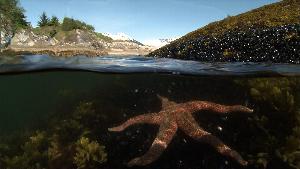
pixel 151 118
pixel 191 128
pixel 218 145
pixel 166 132
pixel 218 108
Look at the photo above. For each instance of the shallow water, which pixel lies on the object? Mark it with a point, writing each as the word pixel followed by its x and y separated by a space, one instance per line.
pixel 45 114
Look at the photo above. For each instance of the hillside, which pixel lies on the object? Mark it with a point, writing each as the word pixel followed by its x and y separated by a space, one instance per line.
pixel 68 38
pixel 269 33
pixel 58 42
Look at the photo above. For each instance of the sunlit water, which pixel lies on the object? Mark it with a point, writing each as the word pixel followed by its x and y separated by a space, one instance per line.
pixel 48 104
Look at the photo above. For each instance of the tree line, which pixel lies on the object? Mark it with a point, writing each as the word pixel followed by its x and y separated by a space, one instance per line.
pixel 12 18
pixel 67 24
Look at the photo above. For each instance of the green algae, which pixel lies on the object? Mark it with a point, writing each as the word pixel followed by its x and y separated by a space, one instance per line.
pixel 63 145
pixel 88 153
pixel 277 105
pixel 33 154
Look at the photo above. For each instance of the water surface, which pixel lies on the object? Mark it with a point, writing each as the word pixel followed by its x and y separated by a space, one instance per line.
pixel 138 64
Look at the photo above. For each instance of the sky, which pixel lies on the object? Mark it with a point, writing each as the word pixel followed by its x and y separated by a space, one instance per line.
pixel 141 19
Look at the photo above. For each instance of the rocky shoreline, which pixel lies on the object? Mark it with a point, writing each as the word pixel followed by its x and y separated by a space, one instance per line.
pixel 76 51
pixel 55 51
pixel 73 43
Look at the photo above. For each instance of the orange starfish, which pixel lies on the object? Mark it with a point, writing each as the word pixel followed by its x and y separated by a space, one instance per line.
pixel 174 116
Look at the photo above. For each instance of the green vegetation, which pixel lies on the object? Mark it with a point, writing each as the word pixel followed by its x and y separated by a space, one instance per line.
pixel 34 153
pixel 276 122
pixel 105 38
pixel 46 30
pixel 277 14
pixel 11 18
pixel 64 144
pixel 12 15
pixel 69 24
pixel 54 21
pixel 44 20
pixel 88 153
pixel 66 30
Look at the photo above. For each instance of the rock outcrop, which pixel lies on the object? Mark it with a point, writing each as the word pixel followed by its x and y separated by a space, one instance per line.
pixel 76 42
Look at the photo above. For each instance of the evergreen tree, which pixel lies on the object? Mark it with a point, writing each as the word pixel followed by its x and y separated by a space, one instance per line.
pixel 11 18
pixel 44 20
pixel 54 21
pixel 13 13
pixel 68 24
pixel 71 24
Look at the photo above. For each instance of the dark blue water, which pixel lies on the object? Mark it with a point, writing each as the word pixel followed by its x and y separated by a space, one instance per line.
pixel 136 64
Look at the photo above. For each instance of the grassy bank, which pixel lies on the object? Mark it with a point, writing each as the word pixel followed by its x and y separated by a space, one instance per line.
pixel 266 30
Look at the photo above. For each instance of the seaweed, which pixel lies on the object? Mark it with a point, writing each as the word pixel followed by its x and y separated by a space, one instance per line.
pixel 277 105
pixel 33 156
pixel 64 144
pixel 89 153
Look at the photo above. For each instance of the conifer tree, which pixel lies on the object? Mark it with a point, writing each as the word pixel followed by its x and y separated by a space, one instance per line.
pixel 54 21
pixel 44 20
pixel 11 18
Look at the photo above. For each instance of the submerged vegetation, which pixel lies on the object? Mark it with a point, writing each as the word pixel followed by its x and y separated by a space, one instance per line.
pixel 64 144
pixel 269 33
pixel 75 134
pixel 277 102
pixel 89 154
